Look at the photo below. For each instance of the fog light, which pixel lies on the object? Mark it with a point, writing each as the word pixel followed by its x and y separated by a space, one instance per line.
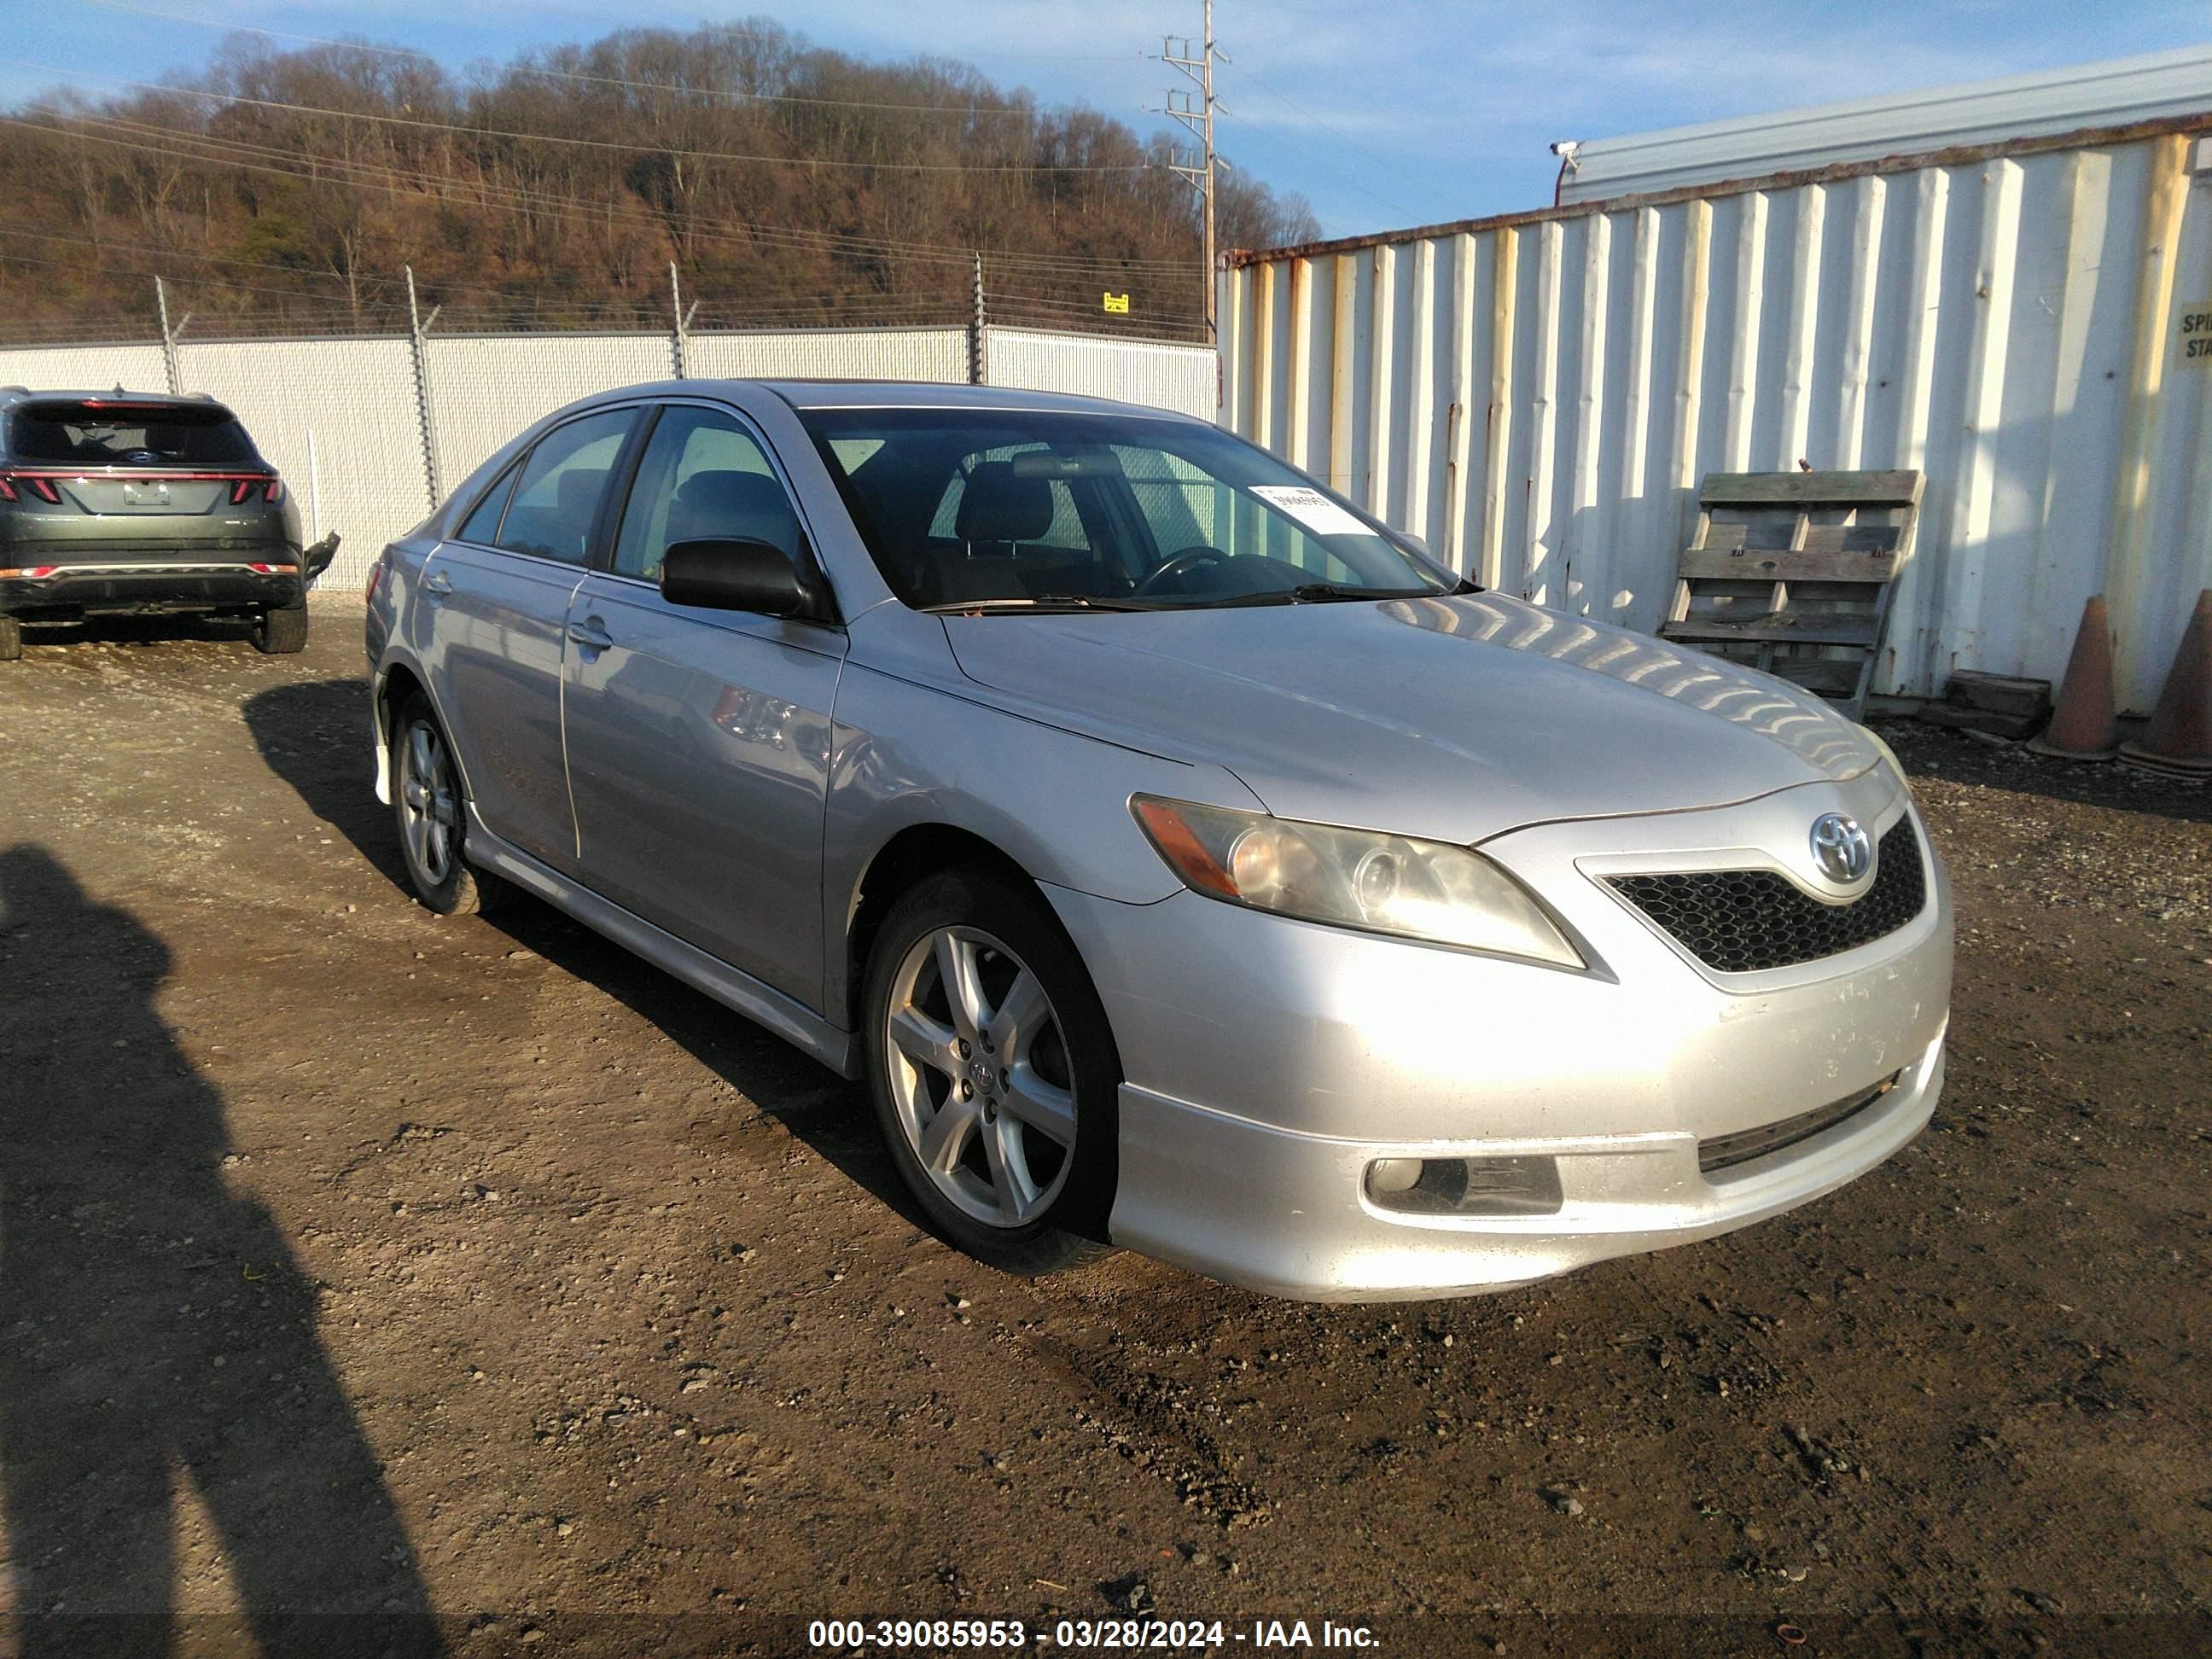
pixel 1466 1186
pixel 1392 1175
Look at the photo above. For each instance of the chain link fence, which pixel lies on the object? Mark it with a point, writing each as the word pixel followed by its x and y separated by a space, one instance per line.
pixel 371 430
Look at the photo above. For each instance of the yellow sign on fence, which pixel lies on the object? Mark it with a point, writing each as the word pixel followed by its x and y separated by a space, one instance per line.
pixel 1116 303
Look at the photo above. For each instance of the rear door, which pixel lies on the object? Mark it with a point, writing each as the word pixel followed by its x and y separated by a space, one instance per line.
pixel 699 740
pixel 496 603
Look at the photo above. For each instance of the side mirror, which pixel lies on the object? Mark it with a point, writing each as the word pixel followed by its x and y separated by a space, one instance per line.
pixel 317 559
pixel 740 573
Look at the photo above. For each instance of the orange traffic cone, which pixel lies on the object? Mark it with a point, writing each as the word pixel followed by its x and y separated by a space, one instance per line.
pixel 2082 729
pixel 2178 741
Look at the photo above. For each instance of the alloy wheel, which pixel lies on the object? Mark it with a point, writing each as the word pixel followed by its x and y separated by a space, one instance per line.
pixel 979 1076
pixel 429 802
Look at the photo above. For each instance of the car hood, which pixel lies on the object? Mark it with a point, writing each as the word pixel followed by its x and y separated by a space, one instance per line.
pixel 1453 719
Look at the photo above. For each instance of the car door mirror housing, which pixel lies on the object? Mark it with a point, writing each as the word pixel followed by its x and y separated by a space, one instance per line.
pixel 736 574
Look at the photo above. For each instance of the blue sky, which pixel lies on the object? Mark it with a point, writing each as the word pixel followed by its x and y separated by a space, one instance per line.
pixel 1383 113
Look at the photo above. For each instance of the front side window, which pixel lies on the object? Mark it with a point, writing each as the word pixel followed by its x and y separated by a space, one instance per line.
pixel 1016 507
pixel 556 498
pixel 703 477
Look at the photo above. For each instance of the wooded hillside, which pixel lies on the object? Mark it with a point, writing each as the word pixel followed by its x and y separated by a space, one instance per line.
pixel 287 190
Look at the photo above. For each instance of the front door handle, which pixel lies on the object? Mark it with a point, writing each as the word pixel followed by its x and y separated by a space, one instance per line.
pixel 590 635
pixel 436 585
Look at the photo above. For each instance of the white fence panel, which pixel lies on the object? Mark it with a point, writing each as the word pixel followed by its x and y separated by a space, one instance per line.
pixel 336 417
pixel 486 388
pixel 1182 378
pixel 84 369
pixel 1540 395
pixel 830 354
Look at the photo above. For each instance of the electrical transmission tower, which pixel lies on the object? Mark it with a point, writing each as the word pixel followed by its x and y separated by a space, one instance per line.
pixel 1195 111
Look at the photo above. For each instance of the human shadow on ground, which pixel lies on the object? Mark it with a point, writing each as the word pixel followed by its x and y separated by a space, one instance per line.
pixel 293 725
pixel 156 1334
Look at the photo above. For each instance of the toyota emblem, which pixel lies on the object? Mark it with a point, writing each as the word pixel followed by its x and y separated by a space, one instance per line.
pixel 1841 850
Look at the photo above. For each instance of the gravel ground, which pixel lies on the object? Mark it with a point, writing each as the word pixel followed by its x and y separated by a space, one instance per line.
pixel 356 1262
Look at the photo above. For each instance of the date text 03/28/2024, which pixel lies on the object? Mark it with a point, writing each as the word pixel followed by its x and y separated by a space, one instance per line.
pixel 1087 1635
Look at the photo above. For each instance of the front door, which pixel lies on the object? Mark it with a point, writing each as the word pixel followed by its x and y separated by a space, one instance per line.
pixel 699 740
pixel 498 596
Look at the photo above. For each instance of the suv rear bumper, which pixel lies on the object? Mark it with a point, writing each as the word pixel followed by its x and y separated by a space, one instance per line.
pixel 250 581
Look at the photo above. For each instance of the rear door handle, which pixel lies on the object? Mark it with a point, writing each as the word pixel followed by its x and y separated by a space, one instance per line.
pixel 590 635
pixel 436 585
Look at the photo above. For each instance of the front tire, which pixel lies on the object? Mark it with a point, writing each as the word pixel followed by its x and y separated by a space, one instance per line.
pixel 280 632
pixel 431 814
pixel 994 1071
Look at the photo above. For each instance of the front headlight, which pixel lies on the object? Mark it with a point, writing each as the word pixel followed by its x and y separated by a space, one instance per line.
pixel 1422 889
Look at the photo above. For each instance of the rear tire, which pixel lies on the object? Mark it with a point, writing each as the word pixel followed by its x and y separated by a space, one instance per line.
pixel 11 638
pixel 279 633
pixel 996 1096
pixel 431 814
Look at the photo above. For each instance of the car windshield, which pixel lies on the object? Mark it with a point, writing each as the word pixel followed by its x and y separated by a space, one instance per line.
pixel 111 433
pixel 1022 509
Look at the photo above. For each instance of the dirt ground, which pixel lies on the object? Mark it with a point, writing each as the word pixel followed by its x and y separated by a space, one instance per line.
pixel 355 1261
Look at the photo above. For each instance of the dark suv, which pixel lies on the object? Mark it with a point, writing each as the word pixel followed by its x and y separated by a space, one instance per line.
pixel 132 502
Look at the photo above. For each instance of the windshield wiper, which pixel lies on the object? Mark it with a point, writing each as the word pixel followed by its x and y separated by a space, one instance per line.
pixel 1037 602
pixel 1326 594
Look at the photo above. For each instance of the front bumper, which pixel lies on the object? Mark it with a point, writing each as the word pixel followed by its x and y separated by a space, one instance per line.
pixel 109 587
pixel 1288 1214
pixel 1269 1063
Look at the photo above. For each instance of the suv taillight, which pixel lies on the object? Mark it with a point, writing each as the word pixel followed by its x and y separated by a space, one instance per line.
pixel 273 490
pixel 42 488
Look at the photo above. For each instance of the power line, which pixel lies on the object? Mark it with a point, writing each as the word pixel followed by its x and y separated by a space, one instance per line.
pixel 1241 72
pixel 229 153
pixel 241 288
pixel 592 143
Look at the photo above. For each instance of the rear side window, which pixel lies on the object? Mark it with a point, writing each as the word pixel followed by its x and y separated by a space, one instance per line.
pixel 557 499
pixel 98 432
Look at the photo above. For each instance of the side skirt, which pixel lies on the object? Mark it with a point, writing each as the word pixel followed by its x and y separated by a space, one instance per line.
pixel 761 1004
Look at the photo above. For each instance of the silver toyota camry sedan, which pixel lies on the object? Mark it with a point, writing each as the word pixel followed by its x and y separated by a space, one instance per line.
pixel 1184 860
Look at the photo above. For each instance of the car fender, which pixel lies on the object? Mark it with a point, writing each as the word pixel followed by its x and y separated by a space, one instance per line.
pixel 906 754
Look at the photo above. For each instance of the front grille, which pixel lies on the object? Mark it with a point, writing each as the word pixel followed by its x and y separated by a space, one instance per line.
pixel 1722 1151
pixel 1742 922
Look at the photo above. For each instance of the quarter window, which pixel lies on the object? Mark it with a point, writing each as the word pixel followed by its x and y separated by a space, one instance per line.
pixel 703 478
pixel 557 499
pixel 482 525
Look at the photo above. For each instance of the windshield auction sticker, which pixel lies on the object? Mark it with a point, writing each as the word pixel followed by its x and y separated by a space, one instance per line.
pixel 1311 508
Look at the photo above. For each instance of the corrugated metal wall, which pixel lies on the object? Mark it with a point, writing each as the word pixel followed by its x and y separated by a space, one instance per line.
pixel 340 417
pixel 1539 396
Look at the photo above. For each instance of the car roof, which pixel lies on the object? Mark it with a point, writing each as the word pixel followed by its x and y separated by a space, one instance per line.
pixel 901 394
pixel 10 395
pixel 920 394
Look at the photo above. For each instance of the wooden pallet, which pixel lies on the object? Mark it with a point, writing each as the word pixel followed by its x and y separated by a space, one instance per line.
pixel 1793 573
